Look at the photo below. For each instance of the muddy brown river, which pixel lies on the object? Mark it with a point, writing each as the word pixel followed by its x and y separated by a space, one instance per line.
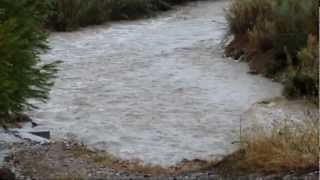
pixel 158 90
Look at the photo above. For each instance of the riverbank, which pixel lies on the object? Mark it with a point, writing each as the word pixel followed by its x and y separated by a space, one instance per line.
pixel 69 159
pixel 72 14
pixel 156 91
pixel 275 45
pixel 156 94
pixel 278 42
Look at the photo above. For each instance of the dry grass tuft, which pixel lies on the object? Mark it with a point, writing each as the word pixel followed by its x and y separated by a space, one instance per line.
pixel 289 146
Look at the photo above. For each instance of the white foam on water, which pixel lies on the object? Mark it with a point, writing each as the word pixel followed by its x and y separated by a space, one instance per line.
pixel 158 89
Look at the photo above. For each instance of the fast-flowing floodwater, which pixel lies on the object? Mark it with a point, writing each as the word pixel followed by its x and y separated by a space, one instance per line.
pixel 158 90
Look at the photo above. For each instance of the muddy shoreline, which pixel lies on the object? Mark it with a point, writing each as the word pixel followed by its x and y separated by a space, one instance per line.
pixel 69 159
pixel 158 89
pixel 157 93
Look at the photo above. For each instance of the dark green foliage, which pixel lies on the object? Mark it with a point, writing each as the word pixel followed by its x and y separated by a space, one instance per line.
pixel 22 39
pixel 304 80
pixel 71 14
pixel 124 9
pixel 293 21
pixel 300 85
pixel 296 31
pixel 290 29
pixel 275 66
pixel 243 15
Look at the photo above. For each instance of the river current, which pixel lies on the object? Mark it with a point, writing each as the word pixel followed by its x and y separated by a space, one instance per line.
pixel 158 90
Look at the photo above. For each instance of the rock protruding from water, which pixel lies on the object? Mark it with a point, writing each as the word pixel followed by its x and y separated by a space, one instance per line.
pixel 43 134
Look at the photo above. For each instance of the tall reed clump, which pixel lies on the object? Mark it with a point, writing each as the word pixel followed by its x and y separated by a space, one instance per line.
pixel 286 28
pixel 71 14
pixel 289 145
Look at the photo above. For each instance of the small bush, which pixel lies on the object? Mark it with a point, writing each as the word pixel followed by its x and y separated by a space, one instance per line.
pixel 22 39
pixel 293 21
pixel 304 81
pixel 298 85
pixel 309 58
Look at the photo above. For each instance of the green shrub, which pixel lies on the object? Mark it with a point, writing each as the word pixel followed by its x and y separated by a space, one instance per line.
pixel 71 14
pixel 22 39
pixel 66 14
pixel 96 12
pixel 309 58
pixel 243 15
pixel 296 34
pixel 282 26
pixel 130 9
pixel 161 5
pixel 304 81
pixel 294 20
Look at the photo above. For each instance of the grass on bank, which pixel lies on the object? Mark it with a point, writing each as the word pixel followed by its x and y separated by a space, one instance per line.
pixel 69 15
pixel 291 146
pixel 288 146
pixel 285 31
pixel 280 39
